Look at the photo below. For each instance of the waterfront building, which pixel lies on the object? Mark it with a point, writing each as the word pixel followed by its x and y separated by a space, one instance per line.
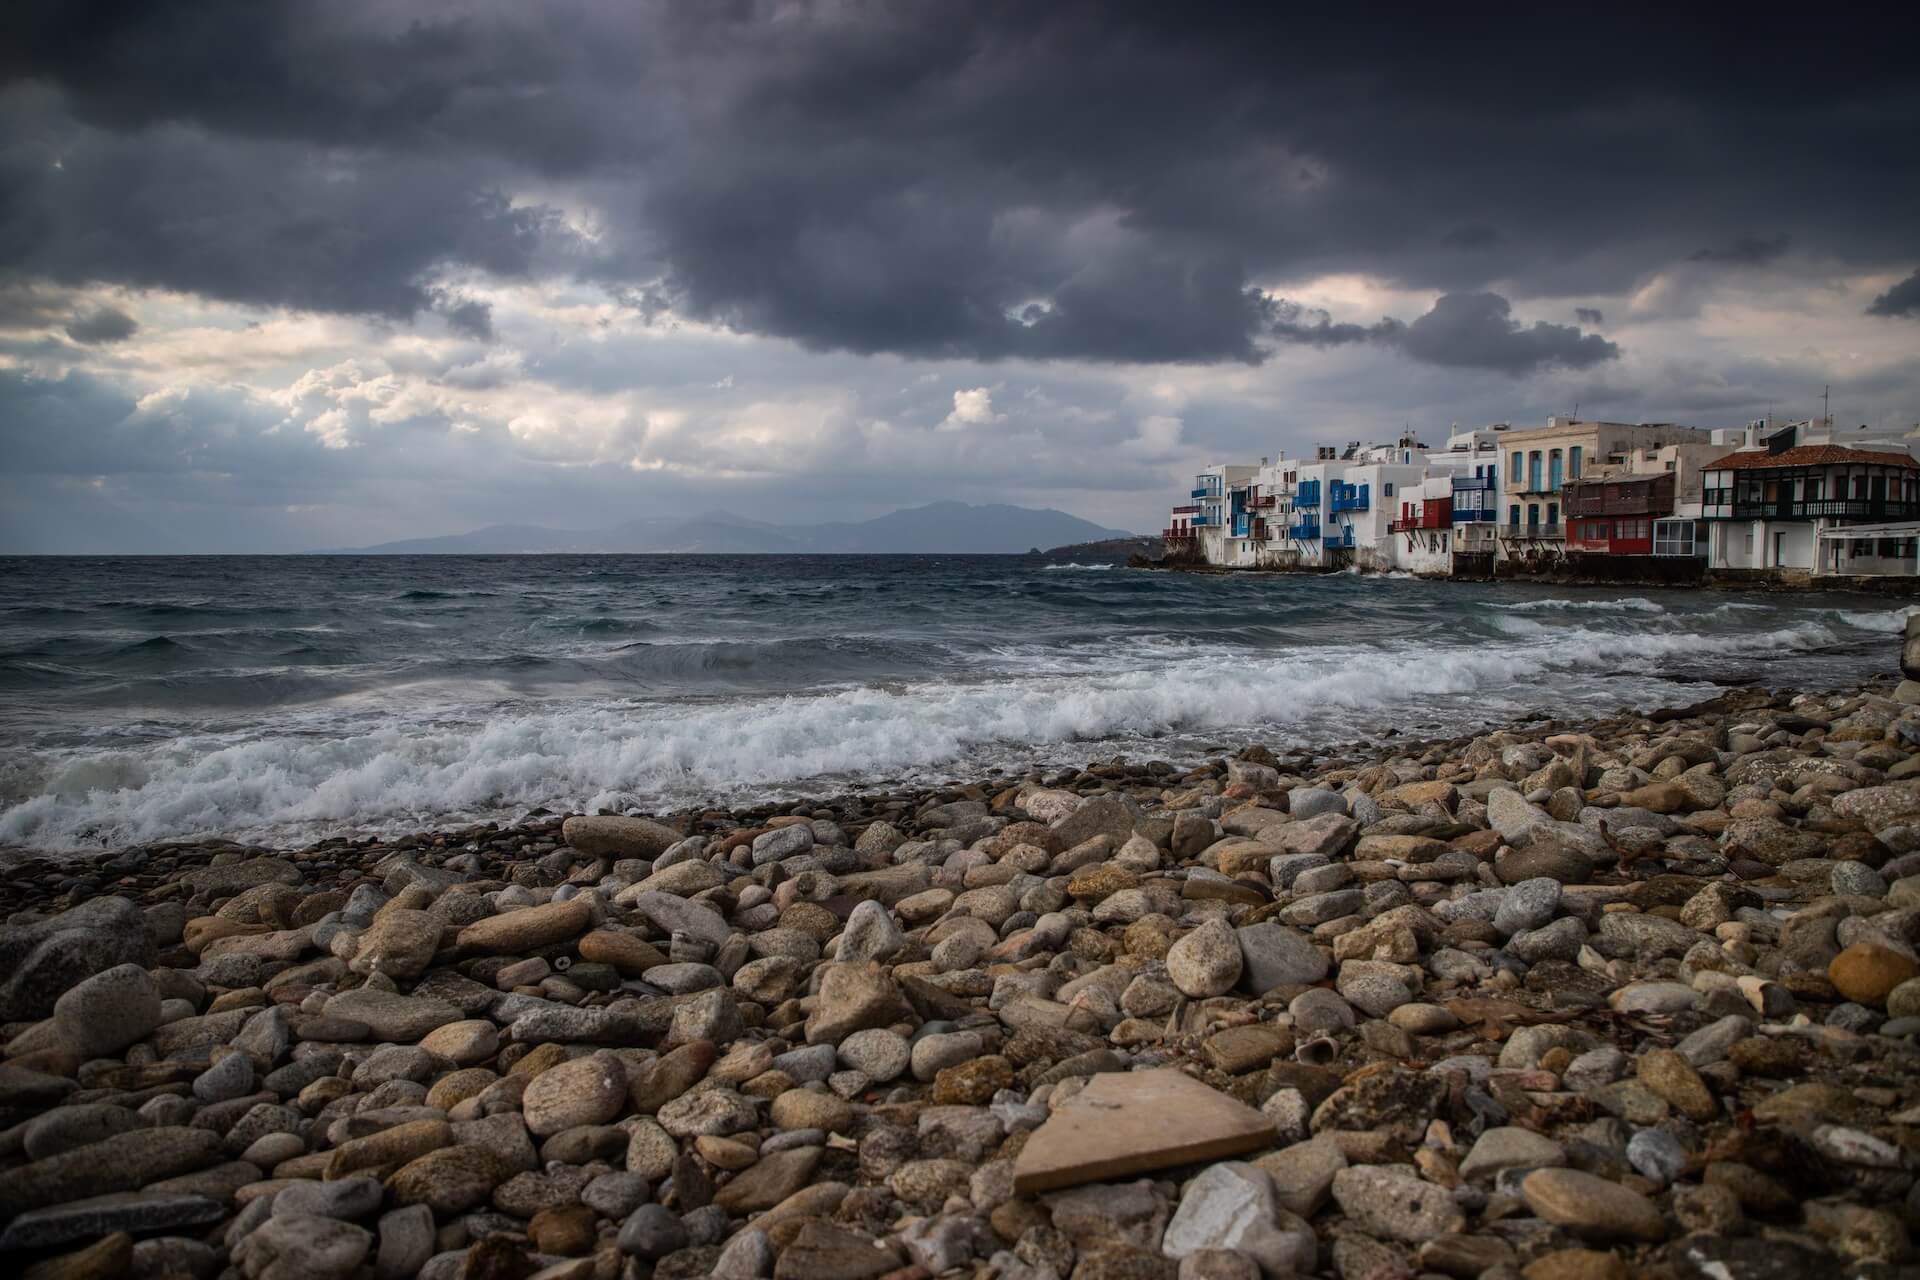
pixel 1802 501
pixel 1540 463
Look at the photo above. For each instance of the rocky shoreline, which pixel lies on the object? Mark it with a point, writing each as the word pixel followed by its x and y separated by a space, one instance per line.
pixel 1564 1001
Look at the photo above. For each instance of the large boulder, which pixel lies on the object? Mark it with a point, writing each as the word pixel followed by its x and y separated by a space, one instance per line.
pixel 40 962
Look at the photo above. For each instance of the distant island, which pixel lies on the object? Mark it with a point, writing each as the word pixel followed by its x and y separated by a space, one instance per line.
pixel 950 528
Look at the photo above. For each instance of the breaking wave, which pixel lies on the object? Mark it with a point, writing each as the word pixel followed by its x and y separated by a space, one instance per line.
pixel 752 684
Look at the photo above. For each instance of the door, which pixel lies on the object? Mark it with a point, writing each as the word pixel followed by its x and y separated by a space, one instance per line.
pixel 1779 549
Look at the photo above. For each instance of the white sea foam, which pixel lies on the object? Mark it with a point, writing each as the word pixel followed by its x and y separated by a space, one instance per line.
pixel 477 760
pixel 1630 604
pixel 1085 568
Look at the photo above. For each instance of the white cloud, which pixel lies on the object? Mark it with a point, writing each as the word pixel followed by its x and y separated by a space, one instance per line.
pixel 972 408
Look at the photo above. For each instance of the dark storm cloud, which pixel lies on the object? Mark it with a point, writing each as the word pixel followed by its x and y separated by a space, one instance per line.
pixel 1589 315
pixel 1747 251
pixel 998 180
pixel 1463 330
pixel 1901 300
pixel 1478 331
pixel 102 324
pixel 468 317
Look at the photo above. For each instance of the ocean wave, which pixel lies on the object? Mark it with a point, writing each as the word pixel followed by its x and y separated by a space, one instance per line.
pixel 588 755
pixel 1085 568
pixel 1630 604
pixel 1890 621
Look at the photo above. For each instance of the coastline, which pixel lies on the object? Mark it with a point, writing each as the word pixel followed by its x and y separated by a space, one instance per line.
pixel 1459 1005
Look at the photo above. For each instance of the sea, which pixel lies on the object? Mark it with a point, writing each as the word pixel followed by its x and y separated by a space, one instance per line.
pixel 279 700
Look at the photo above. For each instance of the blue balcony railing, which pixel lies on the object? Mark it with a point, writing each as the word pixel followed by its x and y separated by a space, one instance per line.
pixel 1470 484
pixel 1337 539
pixel 1206 493
pixel 1205 522
pixel 1307 494
pixel 1348 497
pixel 1240 523
pixel 1475 515
pixel 1305 531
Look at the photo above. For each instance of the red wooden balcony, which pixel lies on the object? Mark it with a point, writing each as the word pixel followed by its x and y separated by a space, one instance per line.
pixel 1434 515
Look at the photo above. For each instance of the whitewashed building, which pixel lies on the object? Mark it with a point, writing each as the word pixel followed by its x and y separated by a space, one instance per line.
pixel 1803 501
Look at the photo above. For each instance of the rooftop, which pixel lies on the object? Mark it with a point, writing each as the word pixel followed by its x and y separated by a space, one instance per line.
pixel 1809 455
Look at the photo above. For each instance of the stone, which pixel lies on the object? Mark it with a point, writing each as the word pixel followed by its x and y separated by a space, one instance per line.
pixel 391 1016
pixel 1396 1206
pixel 679 915
pixel 1273 955
pixel 1528 905
pixel 854 997
pixel 303 1248
pixel 463 1043
pixel 104 1014
pixel 139 1212
pixel 1241 1049
pixel 652 1231
pixel 124 1162
pixel 618 837
pixel 1657 1156
pixel 450 1180
pixel 585 1091
pixel 820 1250
pixel 112 1257
pixel 1206 962
pixel 406 1239
pixel 517 932
pixel 229 1078
pixel 880 1054
pixel 400 943
pixel 388 1148
pixel 1577 1264
pixel 41 961
pixel 1232 1206
pixel 1867 972
pixel 1136 1122
pixel 345 1198
pixel 769 1180
pixel 1508 1147
pixel 871 933
pixel 1878 808
pixel 1671 1077
pixel 1592 1207
pixel 1302 1174
pixel 72 1127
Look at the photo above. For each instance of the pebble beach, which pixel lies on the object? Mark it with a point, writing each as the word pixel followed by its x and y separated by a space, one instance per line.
pixel 1635 995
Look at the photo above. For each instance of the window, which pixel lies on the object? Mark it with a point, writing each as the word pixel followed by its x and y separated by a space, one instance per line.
pixel 1676 538
pixel 1386 489
pixel 1533 513
pixel 1533 472
pixel 1515 470
pixel 1554 479
pixel 1889 548
pixel 1513 515
pixel 1573 462
pixel 1553 513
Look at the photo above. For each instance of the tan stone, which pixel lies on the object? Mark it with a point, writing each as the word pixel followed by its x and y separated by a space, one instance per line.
pixel 1867 972
pixel 1129 1123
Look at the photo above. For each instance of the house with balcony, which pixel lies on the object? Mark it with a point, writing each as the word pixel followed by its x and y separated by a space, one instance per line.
pixel 1541 463
pixel 1218 493
pixel 1421 536
pixel 1785 510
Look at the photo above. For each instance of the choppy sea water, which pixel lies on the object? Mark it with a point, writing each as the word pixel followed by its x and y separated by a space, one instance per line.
pixel 286 698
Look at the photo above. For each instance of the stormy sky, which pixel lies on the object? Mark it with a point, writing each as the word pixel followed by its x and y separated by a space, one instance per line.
pixel 283 276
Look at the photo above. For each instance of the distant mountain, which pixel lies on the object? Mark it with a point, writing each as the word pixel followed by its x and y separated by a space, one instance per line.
pixel 952 528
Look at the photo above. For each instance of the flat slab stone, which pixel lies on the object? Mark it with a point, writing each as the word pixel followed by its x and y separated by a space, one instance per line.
pixel 1127 1123
pixel 137 1212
